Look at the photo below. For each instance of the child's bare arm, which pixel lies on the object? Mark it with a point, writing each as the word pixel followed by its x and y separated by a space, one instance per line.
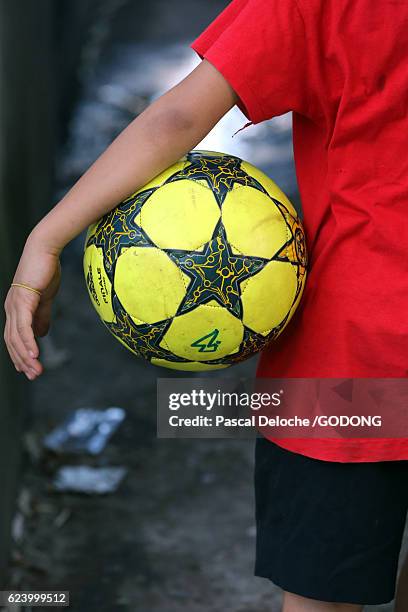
pixel 166 130
pixel 172 125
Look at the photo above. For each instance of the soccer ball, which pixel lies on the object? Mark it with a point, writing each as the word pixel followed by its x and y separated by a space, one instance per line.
pixel 200 268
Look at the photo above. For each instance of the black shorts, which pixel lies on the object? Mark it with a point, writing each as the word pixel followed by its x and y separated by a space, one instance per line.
pixel 329 531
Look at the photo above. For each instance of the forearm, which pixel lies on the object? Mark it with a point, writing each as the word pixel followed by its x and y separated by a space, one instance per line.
pixel 172 125
pixel 152 142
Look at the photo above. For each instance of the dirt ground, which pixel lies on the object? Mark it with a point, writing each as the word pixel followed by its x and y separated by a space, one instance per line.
pixel 179 532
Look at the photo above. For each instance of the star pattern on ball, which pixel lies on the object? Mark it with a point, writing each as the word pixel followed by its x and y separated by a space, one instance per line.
pixel 300 245
pixel 294 249
pixel 220 172
pixel 212 273
pixel 118 229
pixel 144 339
pixel 216 273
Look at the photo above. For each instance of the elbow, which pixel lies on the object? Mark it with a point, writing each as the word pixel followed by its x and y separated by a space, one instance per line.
pixel 180 119
pixel 168 118
pixel 170 115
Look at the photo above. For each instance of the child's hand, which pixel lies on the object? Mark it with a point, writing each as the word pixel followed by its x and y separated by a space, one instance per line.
pixel 27 313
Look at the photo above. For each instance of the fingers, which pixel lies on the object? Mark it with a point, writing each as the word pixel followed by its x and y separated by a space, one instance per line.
pixel 19 337
pixel 13 355
pixel 25 333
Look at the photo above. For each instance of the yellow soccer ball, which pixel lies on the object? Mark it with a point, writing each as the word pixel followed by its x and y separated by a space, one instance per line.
pixel 202 267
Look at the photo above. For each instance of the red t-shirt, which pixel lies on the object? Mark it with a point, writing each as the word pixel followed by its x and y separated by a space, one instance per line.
pixel 342 68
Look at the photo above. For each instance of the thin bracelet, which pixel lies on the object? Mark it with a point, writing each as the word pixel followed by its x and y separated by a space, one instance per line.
pixel 25 287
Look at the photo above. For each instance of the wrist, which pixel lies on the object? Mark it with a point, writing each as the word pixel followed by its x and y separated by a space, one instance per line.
pixel 39 239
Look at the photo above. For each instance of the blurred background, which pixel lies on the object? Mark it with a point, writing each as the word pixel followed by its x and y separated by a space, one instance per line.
pixel 176 532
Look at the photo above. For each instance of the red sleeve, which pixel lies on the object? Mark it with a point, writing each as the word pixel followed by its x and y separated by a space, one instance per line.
pixel 259 46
